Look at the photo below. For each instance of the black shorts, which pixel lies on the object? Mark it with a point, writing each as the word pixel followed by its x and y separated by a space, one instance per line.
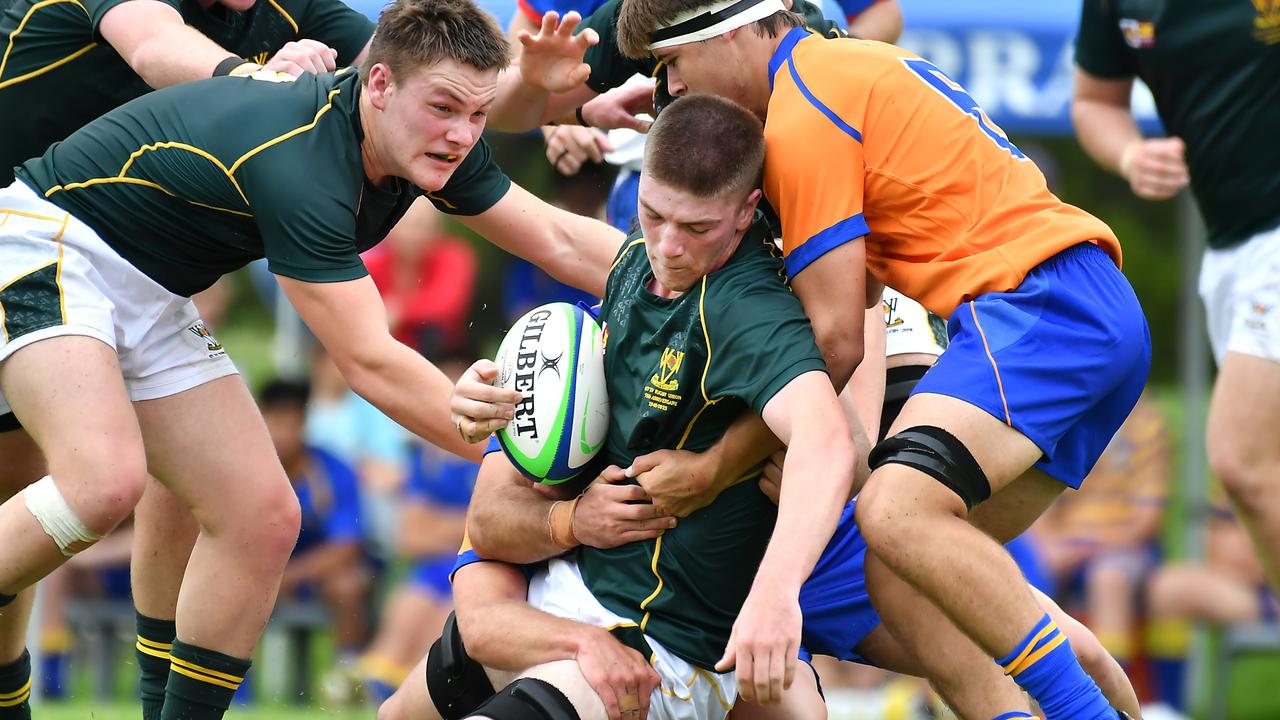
pixel 9 423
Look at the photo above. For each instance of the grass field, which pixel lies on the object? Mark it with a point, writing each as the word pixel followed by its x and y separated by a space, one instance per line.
pixel 128 711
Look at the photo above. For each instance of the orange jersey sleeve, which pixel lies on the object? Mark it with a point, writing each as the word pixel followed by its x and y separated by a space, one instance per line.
pixel 863 138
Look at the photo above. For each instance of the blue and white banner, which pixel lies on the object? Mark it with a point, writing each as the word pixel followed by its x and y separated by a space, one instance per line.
pixel 1014 58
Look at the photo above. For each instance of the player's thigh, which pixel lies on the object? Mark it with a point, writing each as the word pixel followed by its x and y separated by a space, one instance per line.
pixel 1009 512
pixel 801 701
pixel 567 677
pixel 23 462
pixel 1244 413
pixel 210 446
pixel 69 393
pixel 1002 452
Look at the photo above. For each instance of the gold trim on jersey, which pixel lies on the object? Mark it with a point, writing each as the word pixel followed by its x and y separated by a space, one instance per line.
pixel 228 171
pixel 190 148
pixel 292 23
pixel 706 400
pixel 4 62
pixel 624 252
pixel 281 138
pixel 657 550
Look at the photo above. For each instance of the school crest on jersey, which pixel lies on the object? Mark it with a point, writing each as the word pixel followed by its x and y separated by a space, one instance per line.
pixel 1266 26
pixel 1138 34
pixel 662 392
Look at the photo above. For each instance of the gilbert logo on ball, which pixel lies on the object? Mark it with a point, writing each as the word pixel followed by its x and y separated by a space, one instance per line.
pixel 554 356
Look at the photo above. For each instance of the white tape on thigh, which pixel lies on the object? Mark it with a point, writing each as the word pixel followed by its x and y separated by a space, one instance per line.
pixel 48 506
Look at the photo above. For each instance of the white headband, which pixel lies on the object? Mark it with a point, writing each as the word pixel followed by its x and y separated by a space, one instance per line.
pixel 708 21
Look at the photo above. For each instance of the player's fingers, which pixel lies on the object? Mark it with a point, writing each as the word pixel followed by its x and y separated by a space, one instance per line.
pixel 614 474
pixel 549 21
pixel 480 411
pixel 326 55
pixel 790 664
pixel 730 657
pixel 777 675
pixel 580 74
pixel 588 36
pixel 569 23
pixel 746 678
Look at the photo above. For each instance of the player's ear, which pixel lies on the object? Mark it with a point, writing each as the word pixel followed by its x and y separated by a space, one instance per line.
pixel 748 210
pixel 380 82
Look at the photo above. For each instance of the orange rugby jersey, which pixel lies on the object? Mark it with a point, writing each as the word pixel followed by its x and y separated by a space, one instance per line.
pixel 863 138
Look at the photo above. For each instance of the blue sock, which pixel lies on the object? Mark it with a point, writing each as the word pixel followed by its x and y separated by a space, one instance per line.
pixel 1171 676
pixel 1044 665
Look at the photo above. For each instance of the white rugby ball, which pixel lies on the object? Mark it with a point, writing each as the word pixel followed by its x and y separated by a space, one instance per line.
pixel 555 357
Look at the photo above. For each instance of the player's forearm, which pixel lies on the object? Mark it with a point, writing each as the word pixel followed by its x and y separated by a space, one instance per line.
pixel 746 444
pixel 509 521
pixel 176 55
pixel 520 106
pixel 1104 130
pixel 511 635
pixel 881 21
pixel 407 389
pixel 816 481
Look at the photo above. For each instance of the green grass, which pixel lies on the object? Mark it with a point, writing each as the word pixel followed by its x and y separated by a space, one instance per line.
pixel 84 710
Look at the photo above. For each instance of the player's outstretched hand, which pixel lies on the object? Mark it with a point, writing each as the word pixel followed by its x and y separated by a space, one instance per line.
pixel 771 478
pixel 611 513
pixel 552 59
pixel 569 147
pixel 1156 168
pixel 479 408
pixel 619 675
pixel 303 56
pixel 764 643
pixel 678 481
pixel 621 107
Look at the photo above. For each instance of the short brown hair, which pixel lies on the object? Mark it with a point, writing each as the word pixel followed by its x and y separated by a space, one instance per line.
pixel 705 145
pixel 418 33
pixel 637 19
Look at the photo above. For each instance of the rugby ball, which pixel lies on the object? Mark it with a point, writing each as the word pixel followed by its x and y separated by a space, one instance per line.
pixel 555 357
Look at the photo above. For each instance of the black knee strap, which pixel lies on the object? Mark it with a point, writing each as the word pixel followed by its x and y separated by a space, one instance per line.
pixel 456 683
pixel 938 454
pixel 529 699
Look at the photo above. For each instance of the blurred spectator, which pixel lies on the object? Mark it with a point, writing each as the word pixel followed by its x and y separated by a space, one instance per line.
pixel 426 278
pixel 432 520
pixel 1102 540
pixel 1228 587
pixel 329 559
pixel 102 572
pixel 346 425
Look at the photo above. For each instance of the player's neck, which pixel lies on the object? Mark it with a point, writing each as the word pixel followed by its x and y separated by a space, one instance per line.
pixel 374 169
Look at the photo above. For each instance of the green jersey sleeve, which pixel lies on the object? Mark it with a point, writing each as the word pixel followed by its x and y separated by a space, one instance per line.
pixel 477 185
pixel 337 25
pixel 97 8
pixel 609 67
pixel 753 318
pixel 1100 47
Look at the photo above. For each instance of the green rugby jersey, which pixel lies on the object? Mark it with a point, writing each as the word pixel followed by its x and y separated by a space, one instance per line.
pixel 61 74
pixel 193 181
pixel 679 372
pixel 1213 69
pixel 610 68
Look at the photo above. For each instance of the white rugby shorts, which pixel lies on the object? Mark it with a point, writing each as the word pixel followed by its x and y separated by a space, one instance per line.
pixel 686 692
pixel 909 328
pixel 57 277
pixel 1240 287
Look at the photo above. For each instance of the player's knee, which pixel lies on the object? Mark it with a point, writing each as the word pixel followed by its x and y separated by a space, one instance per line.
pixel 274 526
pixel 938 454
pixel 71 530
pixel 529 699
pixel 456 683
